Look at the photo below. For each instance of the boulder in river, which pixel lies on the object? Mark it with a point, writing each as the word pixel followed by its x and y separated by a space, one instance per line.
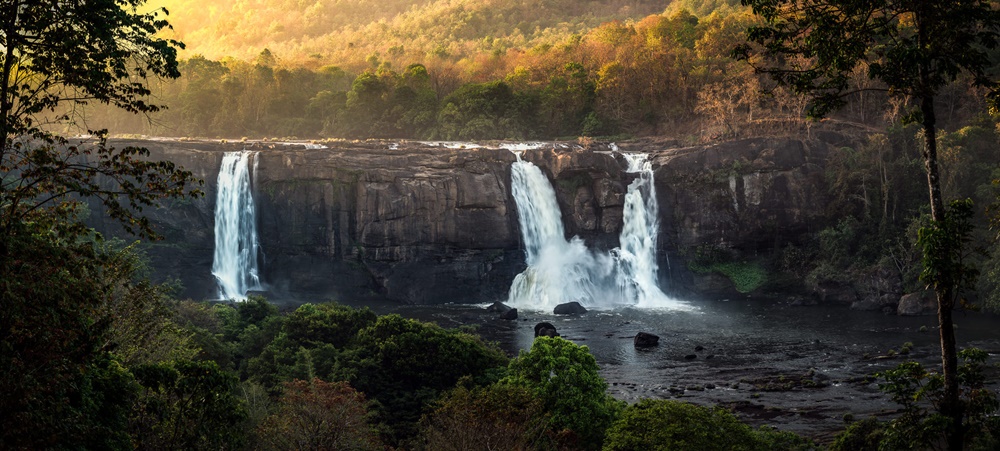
pixel 570 308
pixel 646 340
pixel 509 315
pixel 498 307
pixel 545 330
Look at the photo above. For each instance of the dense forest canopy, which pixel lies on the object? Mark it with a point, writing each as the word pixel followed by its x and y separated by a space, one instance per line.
pixel 428 70
pixel 344 32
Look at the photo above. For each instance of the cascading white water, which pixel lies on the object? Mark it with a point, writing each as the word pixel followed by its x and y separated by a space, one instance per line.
pixel 558 270
pixel 236 246
pixel 636 257
pixel 561 270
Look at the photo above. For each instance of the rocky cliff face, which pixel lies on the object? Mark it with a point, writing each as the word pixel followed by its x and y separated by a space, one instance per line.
pixel 429 224
pixel 745 199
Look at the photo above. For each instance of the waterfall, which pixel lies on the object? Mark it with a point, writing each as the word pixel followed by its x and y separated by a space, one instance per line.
pixel 636 257
pixel 561 270
pixel 236 245
pixel 558 270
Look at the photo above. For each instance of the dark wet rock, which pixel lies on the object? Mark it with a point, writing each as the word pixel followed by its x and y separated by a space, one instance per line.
pixel 774 192
pixel 691 356
pixel 882 287
pixel 699 348
pixel 877 303
pixel 831 292
pixel 803 301
pixel 498 307
pixel 710 357
pixel 646 340
pixel 545 330
pixel 916 304
pixel 710 386
pixel 570 308
pixel 509 315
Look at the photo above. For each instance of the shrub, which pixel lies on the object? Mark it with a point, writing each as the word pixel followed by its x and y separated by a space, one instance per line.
pixel 564 376
pixel 405 365
pixel 498 416
pixel 920 425
pixel 319 415
pixel 187 405
pixel 672 425
pixel 864 435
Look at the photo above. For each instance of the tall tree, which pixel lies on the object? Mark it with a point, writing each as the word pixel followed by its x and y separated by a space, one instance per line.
pixel 912 48
pixel 56 55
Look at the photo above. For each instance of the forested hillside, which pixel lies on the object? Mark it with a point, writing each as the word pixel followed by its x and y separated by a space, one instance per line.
pixel 345 32
pixel 478 70
pixel 445 71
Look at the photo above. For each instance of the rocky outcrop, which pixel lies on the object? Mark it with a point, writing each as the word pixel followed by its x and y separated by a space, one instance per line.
pixel 919 303
pixel 418 223
pixel 742 199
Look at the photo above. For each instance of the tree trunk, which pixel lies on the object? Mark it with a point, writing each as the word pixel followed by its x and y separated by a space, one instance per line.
pixel 951 405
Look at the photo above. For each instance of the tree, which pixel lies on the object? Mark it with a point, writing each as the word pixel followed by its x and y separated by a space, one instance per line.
pixel 564 377
pixel 911 48
pixel 317 415
pixel 57 55
pixel 662 425
pixel 498 416
pixel 57 285
pixel 187 405
pixel 405 365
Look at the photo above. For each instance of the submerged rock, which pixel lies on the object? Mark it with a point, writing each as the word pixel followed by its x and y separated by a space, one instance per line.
pixel 646 340
pixel 570 308
pixel 545 330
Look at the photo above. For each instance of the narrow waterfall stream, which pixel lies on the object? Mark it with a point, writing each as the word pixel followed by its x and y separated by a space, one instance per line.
pixel 636 257
pixel 235 264
pixel 561 270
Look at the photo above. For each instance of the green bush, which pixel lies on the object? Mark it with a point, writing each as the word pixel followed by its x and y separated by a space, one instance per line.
pixel 319 415
pixel 920 425
pixel 187 405
pixel 864 435
pixel 672 425
pixel 498 416
pixel 405 365
pixel 746 276
pixel 565 377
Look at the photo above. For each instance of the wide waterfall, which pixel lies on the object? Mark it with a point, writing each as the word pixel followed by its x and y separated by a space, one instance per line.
pixel 561 270
pixel 235 265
